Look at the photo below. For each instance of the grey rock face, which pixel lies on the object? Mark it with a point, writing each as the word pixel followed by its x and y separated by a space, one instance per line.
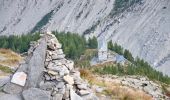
pixel 36 94
pixel 36 65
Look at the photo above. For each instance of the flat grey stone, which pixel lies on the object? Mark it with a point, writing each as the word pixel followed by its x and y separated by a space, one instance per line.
pixel 19 78
pixel 36 94
pixel 36 64
pixel 12 88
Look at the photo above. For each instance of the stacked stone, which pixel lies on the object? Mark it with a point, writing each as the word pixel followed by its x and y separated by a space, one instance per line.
pixel 46 75
pixel 60 78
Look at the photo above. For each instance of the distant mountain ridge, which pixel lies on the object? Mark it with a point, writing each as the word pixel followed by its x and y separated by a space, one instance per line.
pixel 143 28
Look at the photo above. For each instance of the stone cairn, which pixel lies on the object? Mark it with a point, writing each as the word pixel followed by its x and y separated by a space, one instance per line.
pixel 46 75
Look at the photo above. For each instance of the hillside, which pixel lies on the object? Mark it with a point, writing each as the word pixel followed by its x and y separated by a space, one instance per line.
pixel 142 26
pixel 59 78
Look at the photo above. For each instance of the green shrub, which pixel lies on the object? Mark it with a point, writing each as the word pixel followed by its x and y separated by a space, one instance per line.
pixel 122 5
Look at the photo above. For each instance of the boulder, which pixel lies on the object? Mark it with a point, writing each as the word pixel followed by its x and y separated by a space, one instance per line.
pixel 19 78
pixel 36 94
pixel 68 79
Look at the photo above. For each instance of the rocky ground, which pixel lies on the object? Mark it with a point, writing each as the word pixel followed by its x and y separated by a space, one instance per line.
pixel 138 83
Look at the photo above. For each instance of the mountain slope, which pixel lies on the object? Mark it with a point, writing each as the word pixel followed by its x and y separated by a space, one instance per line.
pixel 142 28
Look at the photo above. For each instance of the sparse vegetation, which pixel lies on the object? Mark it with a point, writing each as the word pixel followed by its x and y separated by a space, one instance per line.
pixel 43 21
pixel 9 58
pixel 112 89
pixel 122 5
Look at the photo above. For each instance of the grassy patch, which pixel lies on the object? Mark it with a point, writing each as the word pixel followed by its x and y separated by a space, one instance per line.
pixel 10 58
pixel 5 69
pixel 113 90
